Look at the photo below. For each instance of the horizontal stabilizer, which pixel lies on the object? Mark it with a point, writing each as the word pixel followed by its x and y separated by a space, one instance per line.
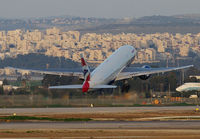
pixel 104 86
pixel 66 87
pixel 80 87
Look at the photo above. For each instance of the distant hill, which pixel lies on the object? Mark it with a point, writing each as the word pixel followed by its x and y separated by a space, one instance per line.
pixel 65 22
pixel 162 20
pixel 189 16
pixel 187 23
pixel 152 24
pixel 38 61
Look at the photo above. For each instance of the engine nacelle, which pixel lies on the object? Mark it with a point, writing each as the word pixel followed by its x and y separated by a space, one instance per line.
pixel 145 77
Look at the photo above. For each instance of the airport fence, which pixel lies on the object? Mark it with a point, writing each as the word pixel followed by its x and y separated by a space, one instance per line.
pixel 41 101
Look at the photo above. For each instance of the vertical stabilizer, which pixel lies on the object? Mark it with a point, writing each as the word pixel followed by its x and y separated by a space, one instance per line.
pixel 86 74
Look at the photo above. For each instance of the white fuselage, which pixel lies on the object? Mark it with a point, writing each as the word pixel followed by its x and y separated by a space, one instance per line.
pixel 112 66
pixel 188 87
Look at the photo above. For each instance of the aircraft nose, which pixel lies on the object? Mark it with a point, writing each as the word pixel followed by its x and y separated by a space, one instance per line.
pixel 178 89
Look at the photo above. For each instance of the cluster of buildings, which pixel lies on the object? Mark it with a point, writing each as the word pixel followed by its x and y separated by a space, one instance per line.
pixel 96 47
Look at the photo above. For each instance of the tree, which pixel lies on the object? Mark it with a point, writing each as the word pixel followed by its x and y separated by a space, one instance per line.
pixel 5 82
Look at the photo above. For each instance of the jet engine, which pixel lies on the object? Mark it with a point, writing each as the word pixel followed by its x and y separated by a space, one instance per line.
pixel 145 77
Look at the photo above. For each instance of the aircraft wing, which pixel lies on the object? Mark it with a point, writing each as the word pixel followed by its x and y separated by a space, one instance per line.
pixel 66 72
pixel 130 72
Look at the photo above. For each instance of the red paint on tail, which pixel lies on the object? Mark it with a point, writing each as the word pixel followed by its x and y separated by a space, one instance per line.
pixel 85 87
pixel 88 78
pixel 83 62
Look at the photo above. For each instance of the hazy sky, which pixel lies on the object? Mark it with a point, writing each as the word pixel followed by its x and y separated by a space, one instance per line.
pixel 96 8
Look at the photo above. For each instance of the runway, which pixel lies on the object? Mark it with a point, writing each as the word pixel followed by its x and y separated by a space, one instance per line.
pixel 101 125
pixel 107 122
pixel 46 111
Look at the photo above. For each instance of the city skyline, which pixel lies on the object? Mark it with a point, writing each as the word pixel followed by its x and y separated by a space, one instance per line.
pixel 96 47
pixel 92 8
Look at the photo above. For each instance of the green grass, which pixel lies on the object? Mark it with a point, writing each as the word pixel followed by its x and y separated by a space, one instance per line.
pixel 6 132
pixel 33 131
pixel 23 118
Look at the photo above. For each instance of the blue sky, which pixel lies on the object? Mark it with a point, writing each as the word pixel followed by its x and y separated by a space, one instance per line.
pixel 96 8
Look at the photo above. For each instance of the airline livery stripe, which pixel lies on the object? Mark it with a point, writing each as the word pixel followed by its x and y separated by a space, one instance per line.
pixel 83 62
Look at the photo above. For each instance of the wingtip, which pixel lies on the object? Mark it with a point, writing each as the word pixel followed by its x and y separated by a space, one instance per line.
pixel 189 66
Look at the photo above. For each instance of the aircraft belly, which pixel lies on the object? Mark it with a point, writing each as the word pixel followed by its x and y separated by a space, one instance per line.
pixel 110 68
pixel 105 78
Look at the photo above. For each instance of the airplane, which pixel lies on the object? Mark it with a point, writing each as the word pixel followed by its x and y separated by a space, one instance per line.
pixel 114 68
pixel 189 87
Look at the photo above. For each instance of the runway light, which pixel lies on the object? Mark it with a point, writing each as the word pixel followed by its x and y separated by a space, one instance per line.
pixel 197 109
pixel 91 105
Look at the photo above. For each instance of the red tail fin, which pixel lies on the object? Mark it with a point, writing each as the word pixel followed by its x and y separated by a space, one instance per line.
pixel 85 87
pixel 86 73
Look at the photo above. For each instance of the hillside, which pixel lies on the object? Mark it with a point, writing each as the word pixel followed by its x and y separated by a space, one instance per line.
pixel 38 61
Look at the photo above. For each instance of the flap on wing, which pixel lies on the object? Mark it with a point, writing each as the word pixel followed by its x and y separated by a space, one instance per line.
pixel 104 86
pixel 66 72
pixel 138 71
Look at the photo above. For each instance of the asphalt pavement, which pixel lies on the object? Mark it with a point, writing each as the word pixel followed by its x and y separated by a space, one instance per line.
pixel 46 111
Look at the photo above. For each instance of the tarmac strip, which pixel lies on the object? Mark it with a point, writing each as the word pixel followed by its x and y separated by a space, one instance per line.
pixel 101 125
pixel 96 134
